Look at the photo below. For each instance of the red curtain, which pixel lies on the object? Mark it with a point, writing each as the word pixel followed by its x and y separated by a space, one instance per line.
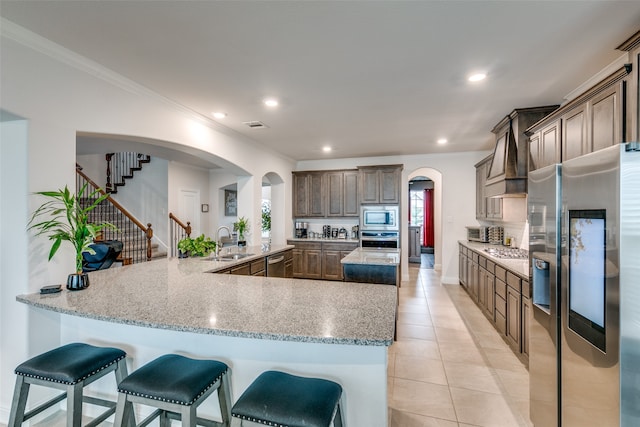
pixel 427 228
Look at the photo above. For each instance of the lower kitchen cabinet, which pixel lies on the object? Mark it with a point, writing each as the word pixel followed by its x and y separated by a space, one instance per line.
pixel 320 260
pixel 503 297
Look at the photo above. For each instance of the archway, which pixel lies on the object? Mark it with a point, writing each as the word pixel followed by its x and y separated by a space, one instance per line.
pixel 436 177
pixel 273 192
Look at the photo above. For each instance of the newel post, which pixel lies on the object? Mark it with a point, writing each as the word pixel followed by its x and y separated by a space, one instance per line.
pixel 149 235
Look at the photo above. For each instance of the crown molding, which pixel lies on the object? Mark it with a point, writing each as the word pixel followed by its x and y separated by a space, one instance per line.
pixel 601 75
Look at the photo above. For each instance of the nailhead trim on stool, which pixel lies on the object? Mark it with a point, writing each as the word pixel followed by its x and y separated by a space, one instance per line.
pixel 69 368
pixel 278 399
pixel 176 383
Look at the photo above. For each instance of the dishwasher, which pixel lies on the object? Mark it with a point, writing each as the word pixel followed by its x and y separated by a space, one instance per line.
pixel 275 265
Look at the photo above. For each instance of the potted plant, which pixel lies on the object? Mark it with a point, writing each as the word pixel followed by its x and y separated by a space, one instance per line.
pixel 63 218
pixel 200 246
pixel 241 226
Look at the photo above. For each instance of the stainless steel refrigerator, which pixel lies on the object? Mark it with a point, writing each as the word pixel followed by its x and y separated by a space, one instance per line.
pixel 598 351
pixel 544 203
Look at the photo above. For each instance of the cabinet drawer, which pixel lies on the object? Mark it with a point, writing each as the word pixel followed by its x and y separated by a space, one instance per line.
pixel 501 306
pixel 483 262
pixel 501 288
pixel 491 267
pixel 475 257
pixel 257 267
pixel 526 289
pixel 501 273
pixel 513 281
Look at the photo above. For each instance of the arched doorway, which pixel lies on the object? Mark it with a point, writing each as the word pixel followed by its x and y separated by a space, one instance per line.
pixel 425 216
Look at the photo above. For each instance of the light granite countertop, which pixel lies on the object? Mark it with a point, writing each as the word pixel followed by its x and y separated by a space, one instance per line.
pixel 373 256
pixel 517 266
pixel 182 295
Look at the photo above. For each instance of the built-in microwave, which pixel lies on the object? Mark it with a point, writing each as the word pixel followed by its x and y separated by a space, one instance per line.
pixel 379 218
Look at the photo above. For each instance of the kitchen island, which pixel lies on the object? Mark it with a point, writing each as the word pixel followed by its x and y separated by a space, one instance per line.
pixel 335 330
pixel 372 265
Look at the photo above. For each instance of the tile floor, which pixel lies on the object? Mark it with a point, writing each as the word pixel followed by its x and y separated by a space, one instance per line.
pixel 449 367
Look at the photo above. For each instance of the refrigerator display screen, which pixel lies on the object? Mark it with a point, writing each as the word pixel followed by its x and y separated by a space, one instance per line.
pixel 587 255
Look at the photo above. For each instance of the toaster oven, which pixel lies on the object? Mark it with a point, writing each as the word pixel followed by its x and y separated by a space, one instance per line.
pixel 478 234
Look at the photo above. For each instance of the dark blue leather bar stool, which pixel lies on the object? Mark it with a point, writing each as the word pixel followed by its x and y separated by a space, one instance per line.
pixel 69 368
pixel 284 400
pixel 176 386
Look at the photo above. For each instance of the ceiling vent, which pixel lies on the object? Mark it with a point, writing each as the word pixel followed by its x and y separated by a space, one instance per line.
pixel 255 124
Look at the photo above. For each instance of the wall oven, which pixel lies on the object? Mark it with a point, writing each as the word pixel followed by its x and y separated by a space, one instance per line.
pixel 380 239
pixel 379 218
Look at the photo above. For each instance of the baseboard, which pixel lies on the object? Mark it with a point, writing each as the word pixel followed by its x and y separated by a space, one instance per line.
pixel 449 280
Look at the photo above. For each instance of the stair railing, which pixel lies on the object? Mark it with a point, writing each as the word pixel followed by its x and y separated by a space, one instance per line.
pixel 135 236
pixel 179 231
pixel 121 166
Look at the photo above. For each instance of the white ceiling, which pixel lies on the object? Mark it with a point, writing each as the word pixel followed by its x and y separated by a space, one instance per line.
pixel 370 78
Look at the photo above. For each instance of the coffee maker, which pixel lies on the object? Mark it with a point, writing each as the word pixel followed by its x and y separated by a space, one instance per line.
pixel 301 229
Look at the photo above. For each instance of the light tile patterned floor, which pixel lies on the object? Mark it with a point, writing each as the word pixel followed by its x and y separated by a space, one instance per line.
pixel 449 367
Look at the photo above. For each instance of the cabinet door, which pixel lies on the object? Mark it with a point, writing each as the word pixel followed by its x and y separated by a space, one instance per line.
pixel 300 195
pixel 534 151
pixel 550 145
pixel 494 207
pixel 606 124
pixel 481 200
pixel 316 195
pixel 514 314
pixel 390 185
pixel 369 185
pixel 351 200
pixel 335 193
pixel 526 312
pixel 313 261
pixel 574 133
pixel 299 266
pixel 331 267
pixel 491 296
pixel 482 289
pixel 242 269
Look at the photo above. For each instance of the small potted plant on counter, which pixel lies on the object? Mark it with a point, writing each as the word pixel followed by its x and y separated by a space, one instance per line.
pixel 200 246
pixel 241 226
pixel 63 218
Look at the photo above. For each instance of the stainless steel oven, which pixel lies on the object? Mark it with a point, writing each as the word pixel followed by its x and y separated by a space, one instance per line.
pixel 379 218
pixel 380 239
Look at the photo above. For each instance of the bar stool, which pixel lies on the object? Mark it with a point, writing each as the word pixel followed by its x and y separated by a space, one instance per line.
pixel 176 386
pixel 280 399
pixel 69 368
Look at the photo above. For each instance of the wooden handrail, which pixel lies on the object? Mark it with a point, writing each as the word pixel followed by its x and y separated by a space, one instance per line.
pixel 148 231
pixel 116 204
pixel 186 228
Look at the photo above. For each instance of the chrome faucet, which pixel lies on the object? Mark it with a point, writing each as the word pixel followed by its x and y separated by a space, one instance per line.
pixel 218 241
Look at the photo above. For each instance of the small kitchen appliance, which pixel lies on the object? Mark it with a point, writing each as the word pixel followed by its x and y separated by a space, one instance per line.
pixel 302 229
pixel 379 218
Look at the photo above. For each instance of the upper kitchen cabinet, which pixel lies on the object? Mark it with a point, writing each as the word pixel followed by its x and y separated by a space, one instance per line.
pixel 308 194
pixel 321 194
pixel 591 121
pixel 342 193
pixel 508 168
pixel 380 184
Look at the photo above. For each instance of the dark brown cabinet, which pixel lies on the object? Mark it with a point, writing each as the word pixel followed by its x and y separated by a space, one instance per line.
pixel 486 207
pixel 308 194
pixel 320 260
pixel 321 194
pixel 503 297
pixel 380 184
pixel 592 121
pixel 342 194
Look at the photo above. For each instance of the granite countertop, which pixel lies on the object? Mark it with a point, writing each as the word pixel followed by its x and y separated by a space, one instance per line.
pixel 180 295
pixel 373 256
pixel 517 266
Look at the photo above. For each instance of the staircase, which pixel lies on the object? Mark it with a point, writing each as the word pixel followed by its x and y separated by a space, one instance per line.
pixel 122 166
pixel 135 236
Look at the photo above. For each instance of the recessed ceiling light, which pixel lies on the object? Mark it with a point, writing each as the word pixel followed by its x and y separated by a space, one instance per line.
pixel 271 102
pixel 442 141
pixel 477 77
pixel 219 115
pixel 326 149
